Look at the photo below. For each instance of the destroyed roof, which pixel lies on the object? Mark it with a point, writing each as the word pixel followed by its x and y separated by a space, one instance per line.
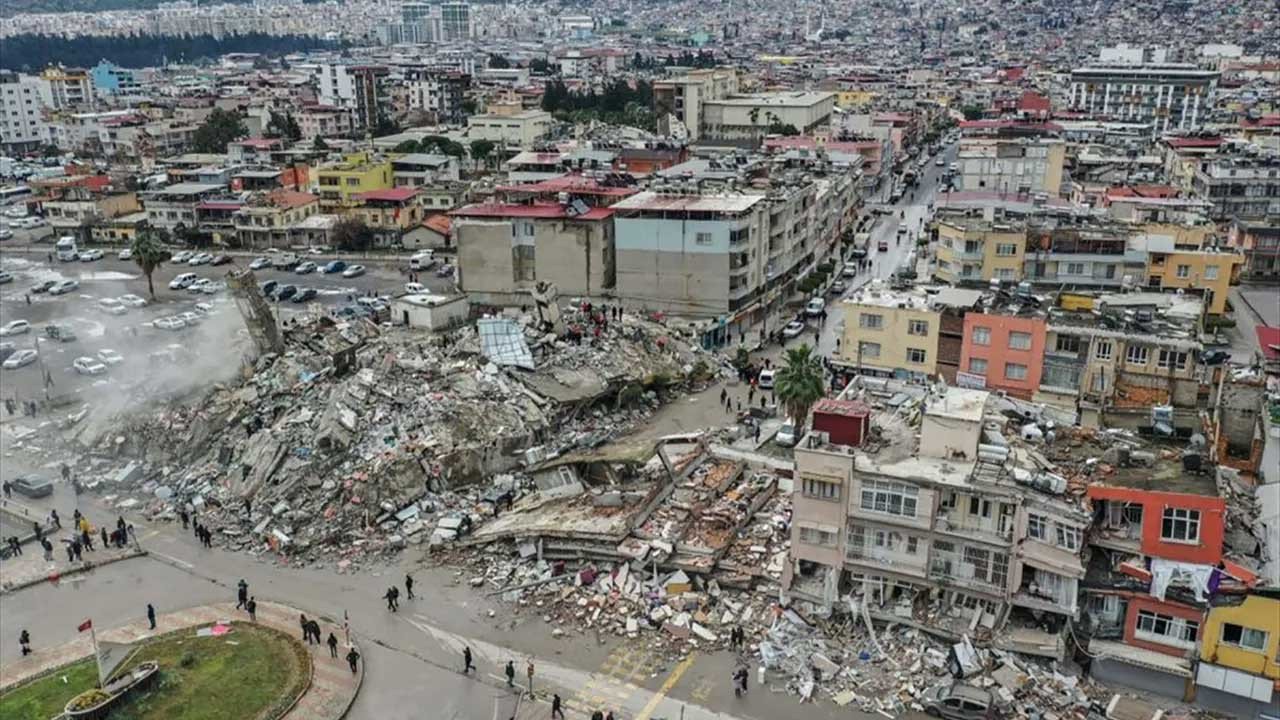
pixel 626 452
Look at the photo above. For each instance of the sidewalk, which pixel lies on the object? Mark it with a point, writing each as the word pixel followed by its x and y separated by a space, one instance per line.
pixel 332 688
pixel 30 568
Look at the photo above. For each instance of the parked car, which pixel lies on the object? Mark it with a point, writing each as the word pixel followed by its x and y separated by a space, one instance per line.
pixel 304 295
pixel 5 277
pixel 20 358
pixel 125 254
pixel 181 256
pixel 61 333
pixel 64 287
pixel 88 366
pixel 305 268
pixel 28 223
pixel 334 266
pixel 183 281
pixel 213 287
pixel 959 701
pixel 815 307
pixel 190 318
pixel 112 306
pixel 168 323
pixel 90 255
pixel 43 287
pixel 414 288
pixel 837 288
pixel 764 380
pixel 110 357
pixel 268 288
pixel 32 486
pixel 260 263
pixel 793 329
pixel 786 436
pixel 198 285
pixel 284 292
pixel 220 260
pixel 15 327
pixel 444 271
pixel 353 271
pixel 201 259
pixel 285 262
pixel 133 301
pixel 1215 357
pixel 7 349
pixel 5 233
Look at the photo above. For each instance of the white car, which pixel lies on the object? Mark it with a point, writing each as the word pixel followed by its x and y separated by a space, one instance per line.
pixel 205 308
pixel 786 436
pixel 15 327
pixel 940 162
pixel 168 323
pixel 125 254
pixel 183 281
pixel 5 277
pixel 189 318
pixel 201 259
pixel 198 285
pixel 415 288
pixel 133 301
pixel 353 271
pixel 260 263
pixel 764 380
pixel 182 256
pixel 815 307
pixel 20 358
pixel 305 268
pixel 110 357
pixel 88 366
pixel 793 329
pixel 112 306
pixel 64 287
pixel 16 211
pixel 213 287
pixel 28 223
pixel 90 255
pixel 5 233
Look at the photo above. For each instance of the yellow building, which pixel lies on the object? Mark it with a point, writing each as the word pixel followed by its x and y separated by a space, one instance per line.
pixel 977 250
pixel 889 333
pixel 852 99
pixel 1206 272
pixel 340 183
pixel 1243 638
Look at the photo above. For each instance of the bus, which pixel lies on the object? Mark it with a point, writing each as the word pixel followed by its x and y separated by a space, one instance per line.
pixel 14 194
pixel 66 248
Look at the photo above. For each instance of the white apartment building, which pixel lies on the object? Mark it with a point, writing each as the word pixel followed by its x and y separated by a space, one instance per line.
pixel 1170 96
pixel 22 124
pixel 682 97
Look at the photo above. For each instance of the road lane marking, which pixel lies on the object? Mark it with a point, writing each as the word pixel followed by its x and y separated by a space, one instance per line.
pixel 669 683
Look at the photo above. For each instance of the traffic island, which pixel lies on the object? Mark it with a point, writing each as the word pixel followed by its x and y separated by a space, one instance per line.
pixel 211 663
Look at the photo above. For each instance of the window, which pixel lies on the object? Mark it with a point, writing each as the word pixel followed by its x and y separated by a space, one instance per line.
pixel 1075 268
pixel 870 321
pixel 982 336
pixel 1014 371
pixel 1019 341
pixel 917 327
pixel 1037 527
pixel 817 535
pixel 1166 629
pixel 869 349
pixel 915 356
pixel 1244 637
pixel 1184 271
pixel 1210 272
pixel 1068 538
pixel 1136 355
pixel 1170 359
pixel 1180 525
pixel 1067 344
pixel 702 238
pixel 889 497
pixel 978 366
pixel 1102 350
pixel 821 489
pixel 1006 249
pixel 913 545
pixel 1004 274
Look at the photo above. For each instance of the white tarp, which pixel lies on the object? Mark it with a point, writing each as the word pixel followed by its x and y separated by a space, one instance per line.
pixel 502 341
pixel 1163 573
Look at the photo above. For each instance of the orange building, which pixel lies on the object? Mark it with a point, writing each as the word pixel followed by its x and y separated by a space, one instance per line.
pixel 1002 352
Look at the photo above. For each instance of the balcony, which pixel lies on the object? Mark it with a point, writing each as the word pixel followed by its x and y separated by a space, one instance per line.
pixel 887 560
pixel 987 528
pixel 972 568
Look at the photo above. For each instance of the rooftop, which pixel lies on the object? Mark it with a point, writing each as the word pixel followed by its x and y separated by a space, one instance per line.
pixel 549 211
pixel 959 404
pixel 652 201
pixel 914 299
pixel 400 194
pixel 781 99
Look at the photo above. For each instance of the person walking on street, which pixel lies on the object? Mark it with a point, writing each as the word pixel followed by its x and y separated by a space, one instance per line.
pixel 242 593
pixel 313 628
pixel 185 518
pixel 466 660
pixel 529 672
pixel 48 549
pixel 86 539
pixel 24 639
pixel 353 657
pixel 510 672
pixel 333 645
pixel 306 627
pixel 252 607
pixel 54 520
pixel 556 709
pixel 408 585
pixel 151 615
pixel 390 597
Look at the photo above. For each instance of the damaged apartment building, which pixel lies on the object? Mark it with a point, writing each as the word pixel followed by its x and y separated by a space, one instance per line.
pixel 725 236
pixel 952 529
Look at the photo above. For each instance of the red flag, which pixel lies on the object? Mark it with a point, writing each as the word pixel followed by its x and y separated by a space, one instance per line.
pixel 87 624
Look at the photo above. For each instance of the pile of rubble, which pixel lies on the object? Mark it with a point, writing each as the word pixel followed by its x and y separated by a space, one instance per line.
pixel 347 441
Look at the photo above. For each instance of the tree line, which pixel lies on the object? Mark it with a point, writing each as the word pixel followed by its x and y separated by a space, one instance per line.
pixel 32 53
pixel 621 103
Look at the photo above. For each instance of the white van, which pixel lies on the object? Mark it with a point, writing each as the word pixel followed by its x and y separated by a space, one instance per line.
pixel 422 260
pixel 183 281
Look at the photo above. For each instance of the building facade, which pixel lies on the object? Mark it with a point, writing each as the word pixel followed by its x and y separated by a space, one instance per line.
pixel 1169 96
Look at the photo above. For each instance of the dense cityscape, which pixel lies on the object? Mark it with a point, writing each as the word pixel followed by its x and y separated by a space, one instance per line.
pixel 639 360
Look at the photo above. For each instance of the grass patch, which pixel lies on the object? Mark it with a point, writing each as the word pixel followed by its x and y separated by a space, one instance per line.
pixel 251 673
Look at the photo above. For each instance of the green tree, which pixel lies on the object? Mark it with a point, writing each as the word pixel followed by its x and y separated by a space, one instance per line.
pixel 386 126
pixel 351 234
pixel 540 66
pixel 481 150
pixel 408 146
pixel 799 383
pixel 498 62
pixel 149 254
pixel 220 128
pixel 972 112
pixel 319 144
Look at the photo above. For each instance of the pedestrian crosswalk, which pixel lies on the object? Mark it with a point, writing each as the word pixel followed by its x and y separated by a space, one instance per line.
pixel 619 679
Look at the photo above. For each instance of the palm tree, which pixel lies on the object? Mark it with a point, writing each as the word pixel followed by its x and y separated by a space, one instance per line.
pixel 148 253
pixel 799 383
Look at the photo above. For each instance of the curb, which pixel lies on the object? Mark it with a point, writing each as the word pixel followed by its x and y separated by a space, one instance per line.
pixel 86 566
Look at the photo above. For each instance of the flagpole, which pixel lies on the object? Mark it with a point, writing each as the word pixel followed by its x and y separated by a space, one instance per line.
pixel 97 656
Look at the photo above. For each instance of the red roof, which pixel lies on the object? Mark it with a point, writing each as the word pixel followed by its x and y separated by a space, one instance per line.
pixel 547 211
pixel 289 199
pixel 399 194
pixel 1033 101
pixel 1143 191
pixel 438 222
pixel 1268 336
pixel 849 408
pixel 1189 142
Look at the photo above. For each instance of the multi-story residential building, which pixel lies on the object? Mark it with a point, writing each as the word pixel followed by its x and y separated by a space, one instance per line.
pixel 264 220
pixel 978 246
pixel 747 119
pixel 22 123
pixel 322 121
pixel 357 88
pixel 67 88
pixel 1208 273
pixel 1259 240
pixel 1239 669
pixel 918 517
pixel 177 204
pixel 1003 351
pixel 682 98
pixel 505 250
pixel 339 183
pixel 521 129
pixel 440 92
pixel 79 209
pixel 389 213
pixel 110 79
pixel 455 22
pixel 1169 96
pixel 1010 157
pixel 1240 183
pixel 889 333
pixel 1067 250
pixel 423 169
